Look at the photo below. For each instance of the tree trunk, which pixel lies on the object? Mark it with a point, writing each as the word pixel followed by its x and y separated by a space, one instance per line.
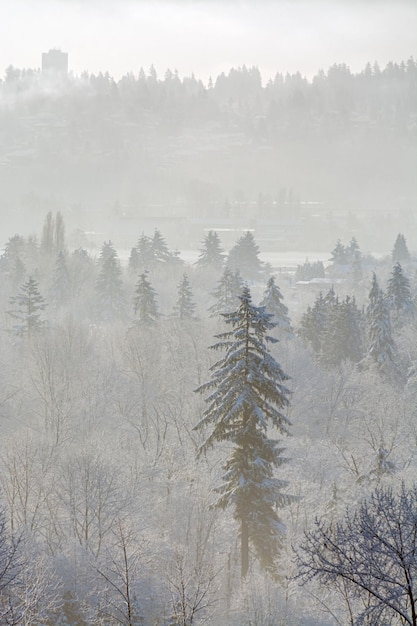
pixel 244 548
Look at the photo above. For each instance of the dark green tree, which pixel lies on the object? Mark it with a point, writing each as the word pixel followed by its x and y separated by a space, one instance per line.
pixel 246 395
pixel 381 346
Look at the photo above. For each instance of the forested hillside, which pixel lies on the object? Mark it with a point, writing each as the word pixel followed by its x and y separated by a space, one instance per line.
pixel 341 145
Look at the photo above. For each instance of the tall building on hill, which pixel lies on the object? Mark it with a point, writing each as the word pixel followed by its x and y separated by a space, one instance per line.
pixel 55 62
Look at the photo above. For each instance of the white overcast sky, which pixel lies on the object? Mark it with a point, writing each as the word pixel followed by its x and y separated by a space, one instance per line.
pixel 207 36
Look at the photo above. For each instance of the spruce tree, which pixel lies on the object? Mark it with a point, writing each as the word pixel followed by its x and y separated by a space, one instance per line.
pixel 29 305
pixel 227 292
pixel 246 395
pixel 339 254
pixel 381 347
pixel 159 249
pixel 184 308
pixel 400 252
pixel 244 257
pixel 399 292
pixel 212 254
pixel 342 335
pixel 109 285
pixel 273 302
pixel 144 302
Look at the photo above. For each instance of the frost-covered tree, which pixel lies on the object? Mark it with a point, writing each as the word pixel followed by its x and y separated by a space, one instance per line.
pixel 381 347
pixel 28 307
pixel 227 292
pixel 273 302
pixel 370 555
pixel 246 395
pixel 184 307
pixel 141 256
pixel 244 256
pixel 211 254
pixel 399 292
pixel 400 252
pixel 144 302
pixel 109 285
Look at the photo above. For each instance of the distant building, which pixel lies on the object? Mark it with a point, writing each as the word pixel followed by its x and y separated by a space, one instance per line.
pixel 55 62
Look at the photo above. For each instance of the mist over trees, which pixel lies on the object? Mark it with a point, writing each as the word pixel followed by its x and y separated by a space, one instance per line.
pixel 303 151
pixel 129 498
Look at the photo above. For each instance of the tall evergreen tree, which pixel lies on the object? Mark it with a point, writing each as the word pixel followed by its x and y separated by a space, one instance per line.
pixel 399 292
pixel 247 394
pixel 144 302
pixel 159 248
pixel 211 254
pixel 314 320
pixel 29 305
pixel 109 285
pixel 244 257
pixel 185 306
pixel 339 254
pixel 381 347
pixel 400 252
pixel 227 292
pixel 273 302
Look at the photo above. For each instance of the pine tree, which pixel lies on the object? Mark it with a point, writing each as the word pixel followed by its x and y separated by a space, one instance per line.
pixel 247 394
pixel 314 320
pixel 144 302
pixel 399 292
pixel 159 248
pixel 339 254
pixel 185 306
pixel 212 254
pixel 29 306
pixel 227 292
pixel 381 347
pixel 400 252
pixel 109 284
pixel 273 302
pixel 244 257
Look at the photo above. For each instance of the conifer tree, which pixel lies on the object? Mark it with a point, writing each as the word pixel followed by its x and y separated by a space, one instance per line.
pixel 159 248
pixel 381 347
pixel 247 395
pixel 339 254
pixel 399 292
pixel 185 306
pixel 400 252
pixel 29 305
pixel 212 254
pixel 273 302
pixel 61 286
pixel 313 322
pixel 342 335
pixel 144 302
pixel 244 257
pixel 109 285
pixel 227 292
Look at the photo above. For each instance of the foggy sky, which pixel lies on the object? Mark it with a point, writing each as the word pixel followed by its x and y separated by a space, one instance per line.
pixel 207 37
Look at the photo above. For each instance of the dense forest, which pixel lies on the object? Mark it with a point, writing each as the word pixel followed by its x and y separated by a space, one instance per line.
pixel 335 152
pixel 134 487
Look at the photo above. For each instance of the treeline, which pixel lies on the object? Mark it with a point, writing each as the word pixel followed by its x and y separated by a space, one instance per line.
pixel 333 101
